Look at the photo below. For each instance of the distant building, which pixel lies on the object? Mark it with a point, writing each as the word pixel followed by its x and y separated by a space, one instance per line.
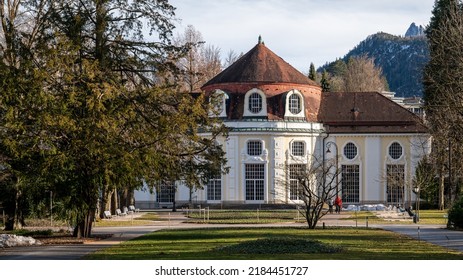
pixel 278 119
pixel 413 104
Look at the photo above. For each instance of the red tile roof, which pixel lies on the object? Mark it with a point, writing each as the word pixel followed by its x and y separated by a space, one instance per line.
pixel 260 64
pixel 366 112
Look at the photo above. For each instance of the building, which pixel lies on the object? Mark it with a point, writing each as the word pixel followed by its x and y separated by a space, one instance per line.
pixel 279 119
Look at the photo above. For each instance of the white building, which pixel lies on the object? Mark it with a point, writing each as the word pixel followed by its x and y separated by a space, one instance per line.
pixel 279 118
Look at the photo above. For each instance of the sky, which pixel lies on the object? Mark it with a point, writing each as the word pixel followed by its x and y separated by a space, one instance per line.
pixel 299 31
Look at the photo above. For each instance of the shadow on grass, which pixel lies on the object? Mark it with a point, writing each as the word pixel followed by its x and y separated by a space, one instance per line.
pixel 353 243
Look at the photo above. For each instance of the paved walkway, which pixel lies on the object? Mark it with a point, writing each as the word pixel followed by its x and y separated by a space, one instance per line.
pixel 431 233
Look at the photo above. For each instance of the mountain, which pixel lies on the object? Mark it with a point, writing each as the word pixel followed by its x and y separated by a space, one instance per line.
pixel 401 58
pixel 414 30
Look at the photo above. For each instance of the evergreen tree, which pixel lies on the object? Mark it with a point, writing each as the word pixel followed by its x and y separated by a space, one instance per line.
pixel 325 83
pixel 443 92
pixel 312 72
pixel 91 112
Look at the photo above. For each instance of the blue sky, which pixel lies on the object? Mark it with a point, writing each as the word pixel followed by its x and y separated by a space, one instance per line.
pixel 300 31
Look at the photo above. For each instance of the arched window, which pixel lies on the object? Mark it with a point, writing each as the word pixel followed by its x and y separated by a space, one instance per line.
pixel 255 103
pixel 295 104
pixel 298 148
pixel 350 150
pixel 395 150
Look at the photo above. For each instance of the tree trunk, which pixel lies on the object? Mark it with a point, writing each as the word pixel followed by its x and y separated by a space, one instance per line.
pixel 84 226
pixel 114 203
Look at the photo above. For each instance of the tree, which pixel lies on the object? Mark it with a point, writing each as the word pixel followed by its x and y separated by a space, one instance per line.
pixel 200 63
pixel 106 120
pixel 312 72
pixel 22 106
pixel 231 58
pixel 325 83
pixel 316 184
pixel 443 93
pixel 362 75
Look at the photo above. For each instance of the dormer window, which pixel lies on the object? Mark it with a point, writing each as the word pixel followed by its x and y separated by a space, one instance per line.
pixel 294 104
pixel 255 103
pixel 219 101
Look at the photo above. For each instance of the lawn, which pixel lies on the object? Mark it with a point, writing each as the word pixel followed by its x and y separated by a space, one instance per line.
pixel 273 244
pixel 145 219
pixel 245 216
pixel 427 217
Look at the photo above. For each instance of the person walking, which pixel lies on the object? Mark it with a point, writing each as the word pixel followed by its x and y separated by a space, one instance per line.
pixel 330 205
pixel 338 204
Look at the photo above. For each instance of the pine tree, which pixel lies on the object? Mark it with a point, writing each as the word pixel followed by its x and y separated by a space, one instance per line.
pixel 443 92
pixel 325 83
pixel 312 72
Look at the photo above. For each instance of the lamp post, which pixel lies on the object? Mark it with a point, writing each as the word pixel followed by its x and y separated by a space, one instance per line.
pixel 328 146
pixel 416 218
pixel 51 208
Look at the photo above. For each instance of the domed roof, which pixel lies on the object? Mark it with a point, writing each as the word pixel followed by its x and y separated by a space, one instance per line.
pixel 260 64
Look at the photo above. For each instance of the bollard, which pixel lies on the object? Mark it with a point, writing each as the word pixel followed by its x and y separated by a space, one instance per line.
pixel 367 221
pixel 323 225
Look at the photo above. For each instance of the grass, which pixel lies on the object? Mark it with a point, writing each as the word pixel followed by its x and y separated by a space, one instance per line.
pixel 221 244
pixel 427 217
pixel 144 220
pixel 246 217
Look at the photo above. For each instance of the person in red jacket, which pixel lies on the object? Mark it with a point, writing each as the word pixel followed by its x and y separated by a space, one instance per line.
pixel 338 204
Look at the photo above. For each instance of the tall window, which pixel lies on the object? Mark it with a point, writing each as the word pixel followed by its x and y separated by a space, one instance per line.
pixel 350 183
pixel 295 105
pixel 296 173
pixel 395 177
pixel 165 192
pixel 298 148
pixel 254 148
pixel 255 103
pixel 350 151
pixel 254 179
pixel 395 150
pixel 214 188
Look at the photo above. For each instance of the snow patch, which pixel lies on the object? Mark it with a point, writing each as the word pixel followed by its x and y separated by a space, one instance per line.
pixel 11 240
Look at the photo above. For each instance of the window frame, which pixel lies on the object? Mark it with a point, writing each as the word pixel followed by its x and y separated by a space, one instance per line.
pixel 254 141
pixel 348 148
pixel 254 178
pixel 393 148
pixel 293 148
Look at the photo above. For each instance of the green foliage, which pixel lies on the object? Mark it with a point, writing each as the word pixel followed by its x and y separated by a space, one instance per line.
pixel 455 216
pixel 88 106
pixel 312 72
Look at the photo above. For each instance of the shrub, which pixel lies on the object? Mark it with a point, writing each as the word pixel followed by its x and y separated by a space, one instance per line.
pixel 456 215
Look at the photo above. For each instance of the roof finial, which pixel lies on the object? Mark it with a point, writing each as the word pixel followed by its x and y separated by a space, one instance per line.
pixel 260 40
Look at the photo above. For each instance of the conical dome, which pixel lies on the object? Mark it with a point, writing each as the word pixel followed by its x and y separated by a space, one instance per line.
pixel 260 65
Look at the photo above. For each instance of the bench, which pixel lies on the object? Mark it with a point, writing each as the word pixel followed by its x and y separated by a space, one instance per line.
pixel 107 215
pixel 132 208
pixel 120 213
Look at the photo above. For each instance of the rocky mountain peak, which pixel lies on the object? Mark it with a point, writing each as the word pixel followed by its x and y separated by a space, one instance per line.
pixel 414 30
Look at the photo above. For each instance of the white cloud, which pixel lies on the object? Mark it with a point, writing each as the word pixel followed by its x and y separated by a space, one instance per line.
pixel 300 31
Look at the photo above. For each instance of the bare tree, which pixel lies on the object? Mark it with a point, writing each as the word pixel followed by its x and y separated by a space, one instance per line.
pixel 315 183
pixel 360 75
pixel 231 58
pixel 200 63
